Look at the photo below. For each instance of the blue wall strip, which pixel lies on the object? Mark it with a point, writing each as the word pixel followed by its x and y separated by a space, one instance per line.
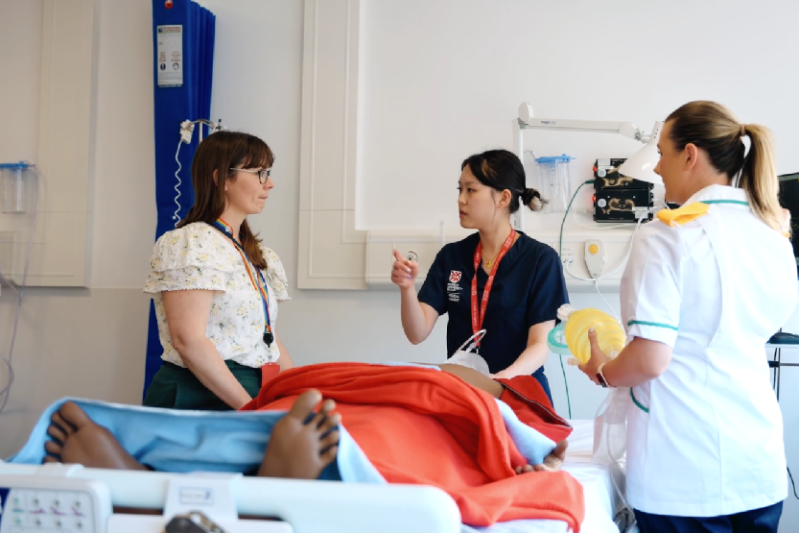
pixel 173 105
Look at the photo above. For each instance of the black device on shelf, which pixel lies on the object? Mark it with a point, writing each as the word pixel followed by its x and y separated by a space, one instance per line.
pixel 619 198
pixel 778 340
pixel 789 199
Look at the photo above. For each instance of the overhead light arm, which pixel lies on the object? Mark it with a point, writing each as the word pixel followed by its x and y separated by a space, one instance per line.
pixel 628 129
pixel 639 166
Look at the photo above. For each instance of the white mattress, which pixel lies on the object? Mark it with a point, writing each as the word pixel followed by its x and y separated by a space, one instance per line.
pixel 601 500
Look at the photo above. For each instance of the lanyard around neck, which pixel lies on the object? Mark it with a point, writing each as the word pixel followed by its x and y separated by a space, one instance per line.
pixel 477 321
pixel 256 277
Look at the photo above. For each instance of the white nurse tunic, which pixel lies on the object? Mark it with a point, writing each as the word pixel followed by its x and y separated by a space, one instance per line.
pixel 706 438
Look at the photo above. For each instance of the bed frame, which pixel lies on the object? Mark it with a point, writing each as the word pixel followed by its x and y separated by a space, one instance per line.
pixel 71 498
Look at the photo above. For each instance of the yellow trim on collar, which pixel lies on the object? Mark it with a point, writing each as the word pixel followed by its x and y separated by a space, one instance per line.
pixel 686 213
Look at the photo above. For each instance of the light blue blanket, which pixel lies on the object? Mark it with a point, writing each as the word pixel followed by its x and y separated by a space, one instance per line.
pixel 188 441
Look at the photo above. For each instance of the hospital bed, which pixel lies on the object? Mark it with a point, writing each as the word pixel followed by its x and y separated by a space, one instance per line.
pixel 601 499
pixel 71 498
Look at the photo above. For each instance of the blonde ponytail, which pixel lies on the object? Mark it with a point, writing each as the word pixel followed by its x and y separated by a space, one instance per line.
pixel 759 177
pixel 713 128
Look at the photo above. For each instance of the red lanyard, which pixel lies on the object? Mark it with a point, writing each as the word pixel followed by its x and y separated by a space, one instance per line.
pixel 477 323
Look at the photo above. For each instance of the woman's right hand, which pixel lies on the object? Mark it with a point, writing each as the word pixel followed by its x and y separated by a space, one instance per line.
pixel 404 272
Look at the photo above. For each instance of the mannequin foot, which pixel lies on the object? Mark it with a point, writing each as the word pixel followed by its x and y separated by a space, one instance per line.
pixel 552 462
pixel 78 440
pixel 300 448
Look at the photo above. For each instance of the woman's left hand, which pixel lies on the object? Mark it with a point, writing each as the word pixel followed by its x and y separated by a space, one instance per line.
pixel 598 357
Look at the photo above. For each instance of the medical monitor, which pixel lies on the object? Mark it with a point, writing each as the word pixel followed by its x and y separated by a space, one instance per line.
pixel 789 199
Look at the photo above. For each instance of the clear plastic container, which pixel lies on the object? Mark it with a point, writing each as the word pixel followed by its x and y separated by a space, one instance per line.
pixel 553 182
pixel 14 175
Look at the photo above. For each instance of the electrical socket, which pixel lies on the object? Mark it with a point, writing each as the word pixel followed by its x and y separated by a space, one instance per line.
pixel 566 254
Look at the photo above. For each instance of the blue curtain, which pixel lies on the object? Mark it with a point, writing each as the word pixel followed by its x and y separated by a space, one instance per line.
pixel 190 101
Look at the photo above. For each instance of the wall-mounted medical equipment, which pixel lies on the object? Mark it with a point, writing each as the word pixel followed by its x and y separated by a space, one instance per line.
pixel 789 199
pixel 553 180
pixel 187 129
pixel 186 132
pixel 594 254
pixel 21 185
pixel 640 166
pixel 623 191
pixel 620 198
pixel 15 178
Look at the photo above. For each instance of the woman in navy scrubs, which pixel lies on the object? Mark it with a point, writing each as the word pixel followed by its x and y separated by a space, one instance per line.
pixel 497 279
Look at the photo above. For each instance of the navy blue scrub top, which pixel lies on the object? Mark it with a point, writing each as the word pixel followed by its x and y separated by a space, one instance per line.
pixel 528 289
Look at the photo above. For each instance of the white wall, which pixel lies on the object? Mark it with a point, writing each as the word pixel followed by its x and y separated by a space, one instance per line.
pixel 91 342
pixel 84 342
pixel 19 105
pixel 444 79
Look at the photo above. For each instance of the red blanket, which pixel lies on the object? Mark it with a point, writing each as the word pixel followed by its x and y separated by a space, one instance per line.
pixel 428 427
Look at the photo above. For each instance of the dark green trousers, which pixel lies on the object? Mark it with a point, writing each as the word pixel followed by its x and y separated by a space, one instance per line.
pixel 175 387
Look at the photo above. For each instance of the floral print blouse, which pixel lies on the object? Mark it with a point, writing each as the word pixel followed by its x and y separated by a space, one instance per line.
pixel 198 256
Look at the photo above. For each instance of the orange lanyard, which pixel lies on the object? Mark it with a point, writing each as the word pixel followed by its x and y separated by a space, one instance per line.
pixel 255 276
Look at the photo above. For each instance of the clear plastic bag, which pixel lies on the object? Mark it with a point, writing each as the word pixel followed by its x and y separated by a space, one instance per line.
pixel 610 427
pixel 464 356
pixel 610 447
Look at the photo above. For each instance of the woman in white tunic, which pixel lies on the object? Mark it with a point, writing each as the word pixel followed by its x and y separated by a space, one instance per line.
pixel 705 287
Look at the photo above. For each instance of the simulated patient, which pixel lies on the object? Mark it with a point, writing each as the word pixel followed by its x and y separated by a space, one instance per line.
pixel 415 425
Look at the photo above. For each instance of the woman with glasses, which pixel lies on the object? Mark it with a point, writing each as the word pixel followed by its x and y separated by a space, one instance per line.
pixel 215 287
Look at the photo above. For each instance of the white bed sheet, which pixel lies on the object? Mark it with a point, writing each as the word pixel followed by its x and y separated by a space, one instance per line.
pixel 601 500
